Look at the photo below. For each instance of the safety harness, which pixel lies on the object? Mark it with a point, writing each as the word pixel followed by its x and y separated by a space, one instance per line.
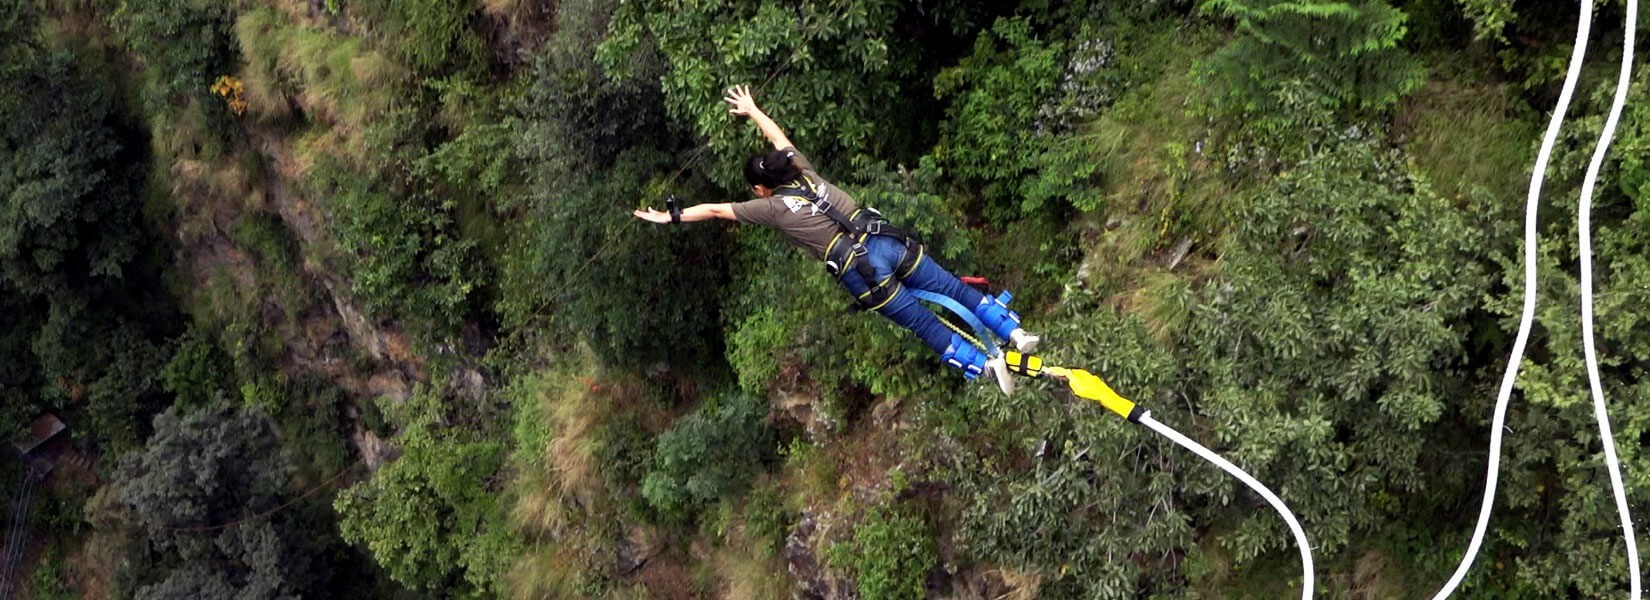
pixel 847 248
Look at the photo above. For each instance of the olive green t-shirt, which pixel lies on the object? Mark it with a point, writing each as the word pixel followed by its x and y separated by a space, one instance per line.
pixel 797 218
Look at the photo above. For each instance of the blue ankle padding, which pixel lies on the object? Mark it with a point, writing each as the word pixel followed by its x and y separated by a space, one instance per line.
pixel 964 356
pixel 995 314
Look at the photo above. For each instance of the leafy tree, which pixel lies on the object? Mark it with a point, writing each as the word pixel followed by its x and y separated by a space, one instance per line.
pixel 431 518
pixel 206 493
pixel 597 145
pixel 1345 52
pixel 1325 352
pixel 1556 517
pixel 1489 17
pixel 709 455
pixel 829 71
pixel 186 45
pixel 1339 320
pixel 85 299
pixel 67 217
pixel 1004 131
pixel 198 372
pixel 638 294
pixel 404 260
pixel 890 555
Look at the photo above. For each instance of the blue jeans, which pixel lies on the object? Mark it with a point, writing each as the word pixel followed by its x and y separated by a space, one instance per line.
pixel 883 254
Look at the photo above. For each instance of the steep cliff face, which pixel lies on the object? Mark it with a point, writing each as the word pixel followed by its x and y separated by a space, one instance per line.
pixel 303 304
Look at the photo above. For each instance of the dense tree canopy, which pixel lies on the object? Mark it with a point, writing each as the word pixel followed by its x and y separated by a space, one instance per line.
pixel 85 318
pixel 205 493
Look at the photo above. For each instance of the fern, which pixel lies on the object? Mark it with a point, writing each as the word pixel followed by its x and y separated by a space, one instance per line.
pixel 1345 53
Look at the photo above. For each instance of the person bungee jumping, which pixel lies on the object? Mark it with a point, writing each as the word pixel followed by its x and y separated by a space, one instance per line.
pixel 874 260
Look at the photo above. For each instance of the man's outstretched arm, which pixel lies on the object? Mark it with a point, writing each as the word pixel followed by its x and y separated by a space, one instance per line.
pixel 697 212
pixel 739 97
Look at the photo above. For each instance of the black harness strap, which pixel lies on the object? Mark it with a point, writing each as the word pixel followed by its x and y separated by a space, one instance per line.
pixel 848 248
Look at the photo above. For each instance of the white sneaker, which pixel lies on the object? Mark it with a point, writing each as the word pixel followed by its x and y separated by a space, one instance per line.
pixel 1023 341
pixel 998 368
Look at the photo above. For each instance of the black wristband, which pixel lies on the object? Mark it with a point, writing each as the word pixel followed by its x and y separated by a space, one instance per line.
pixel 675 209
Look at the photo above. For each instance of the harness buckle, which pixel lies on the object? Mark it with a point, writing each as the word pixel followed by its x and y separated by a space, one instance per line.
pixel 822 206
pixel 858 249
pixel 875 227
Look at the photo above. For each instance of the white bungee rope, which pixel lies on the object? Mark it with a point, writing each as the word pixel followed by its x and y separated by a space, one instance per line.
pixel 1254 484
pixel 1532 203
pixel 1584 218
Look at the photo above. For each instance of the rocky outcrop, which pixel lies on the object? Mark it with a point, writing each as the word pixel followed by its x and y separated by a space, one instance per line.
pixel 814 579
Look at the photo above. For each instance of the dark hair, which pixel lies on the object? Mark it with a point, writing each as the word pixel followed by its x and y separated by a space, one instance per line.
pixel 773 169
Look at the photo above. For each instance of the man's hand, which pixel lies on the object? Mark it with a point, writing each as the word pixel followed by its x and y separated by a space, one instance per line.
pixel 739 97
pixel 652 216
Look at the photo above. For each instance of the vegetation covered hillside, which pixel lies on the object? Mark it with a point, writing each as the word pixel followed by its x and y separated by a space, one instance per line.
pixel 344 298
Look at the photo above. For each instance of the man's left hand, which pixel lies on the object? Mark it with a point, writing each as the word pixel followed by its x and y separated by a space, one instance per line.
pixel 652 216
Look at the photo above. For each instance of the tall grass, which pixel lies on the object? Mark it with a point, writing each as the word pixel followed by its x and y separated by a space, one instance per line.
pixel 565 501
pixel 1469 138
pixel 559 467
pixel 331 77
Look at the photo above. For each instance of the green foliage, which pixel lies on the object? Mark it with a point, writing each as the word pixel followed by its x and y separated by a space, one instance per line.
pixel 204 493
pixel 1489 18
pixel 311 415
pixel 68 198
pixel 265 234
pixel 1388 273
pixel 595 146
pixel 1041 516
pixel 826 70
pixel 1556 467
pixel 185 45
pixel 1006 130
pixel 1304 284
pixel 198 372
pixel 709 455
pixel 1344 53
pixel 86 319
pixel 235 451
pixel 50 580
pixel 429 35
pixel 766 517
pixel 114 377
pixel 430 518
pixel 889 556
pixel 579 116
pixel 404 261
pixel 638 293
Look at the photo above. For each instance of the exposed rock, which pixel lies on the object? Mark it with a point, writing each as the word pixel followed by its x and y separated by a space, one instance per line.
pixel 375 451
pixel 637 548
pixel 468 383
pixel 392 384
pixel 1181 249
pixel 814 580
pixel 802 407
pixel 990 583
pixel 886 415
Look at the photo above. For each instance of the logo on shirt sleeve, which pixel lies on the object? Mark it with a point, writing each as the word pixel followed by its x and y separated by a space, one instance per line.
pixel 795 204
